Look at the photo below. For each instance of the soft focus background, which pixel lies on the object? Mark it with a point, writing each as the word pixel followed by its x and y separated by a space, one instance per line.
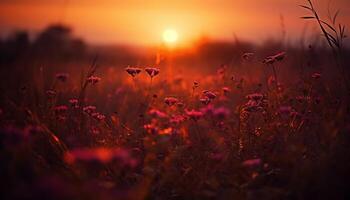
pixel 138 22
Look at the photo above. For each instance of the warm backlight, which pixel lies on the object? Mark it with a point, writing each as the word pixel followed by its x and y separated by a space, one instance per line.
pixel 170 36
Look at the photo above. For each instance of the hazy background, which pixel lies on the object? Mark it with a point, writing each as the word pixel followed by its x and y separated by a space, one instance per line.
pixel 140 22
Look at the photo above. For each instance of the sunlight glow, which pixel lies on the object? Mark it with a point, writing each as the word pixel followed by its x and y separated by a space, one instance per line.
pixel 170 36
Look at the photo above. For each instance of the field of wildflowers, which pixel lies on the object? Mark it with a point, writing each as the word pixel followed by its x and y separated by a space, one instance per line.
pixel 270 122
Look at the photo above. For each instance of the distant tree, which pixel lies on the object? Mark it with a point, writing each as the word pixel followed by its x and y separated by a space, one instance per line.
pixel 15 46
pixel 56 41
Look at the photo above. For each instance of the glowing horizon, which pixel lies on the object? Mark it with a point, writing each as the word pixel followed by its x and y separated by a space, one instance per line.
pixel 140 22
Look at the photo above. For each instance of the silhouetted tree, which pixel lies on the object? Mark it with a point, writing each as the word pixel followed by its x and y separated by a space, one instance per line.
pixel 15 46
pixel 57 41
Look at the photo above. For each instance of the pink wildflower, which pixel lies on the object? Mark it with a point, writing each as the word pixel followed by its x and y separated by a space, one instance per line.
pixel 93 79
pixel 209 94
pixel 252 162
pixel 194 115
pixel 133 71
pixel 152 72
pixel 170 101
pixel 62 76
pixel 157 113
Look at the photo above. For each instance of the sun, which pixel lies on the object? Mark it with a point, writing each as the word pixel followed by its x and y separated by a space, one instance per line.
pixel 170 36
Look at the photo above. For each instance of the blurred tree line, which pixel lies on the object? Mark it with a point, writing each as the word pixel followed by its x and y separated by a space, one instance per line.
pixel 56 42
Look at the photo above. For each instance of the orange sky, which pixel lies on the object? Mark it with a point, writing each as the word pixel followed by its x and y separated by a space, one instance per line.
pixel 143 21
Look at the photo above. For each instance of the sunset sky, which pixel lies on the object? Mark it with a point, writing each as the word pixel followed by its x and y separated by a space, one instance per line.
pixel 144 21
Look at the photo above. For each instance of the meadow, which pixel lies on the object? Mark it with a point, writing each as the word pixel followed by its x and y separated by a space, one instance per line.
pixel 223 120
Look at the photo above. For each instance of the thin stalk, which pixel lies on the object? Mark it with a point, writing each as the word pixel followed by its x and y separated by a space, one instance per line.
pixel 276 82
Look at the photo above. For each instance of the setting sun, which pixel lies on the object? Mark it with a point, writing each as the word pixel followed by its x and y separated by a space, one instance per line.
pixel 170 36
